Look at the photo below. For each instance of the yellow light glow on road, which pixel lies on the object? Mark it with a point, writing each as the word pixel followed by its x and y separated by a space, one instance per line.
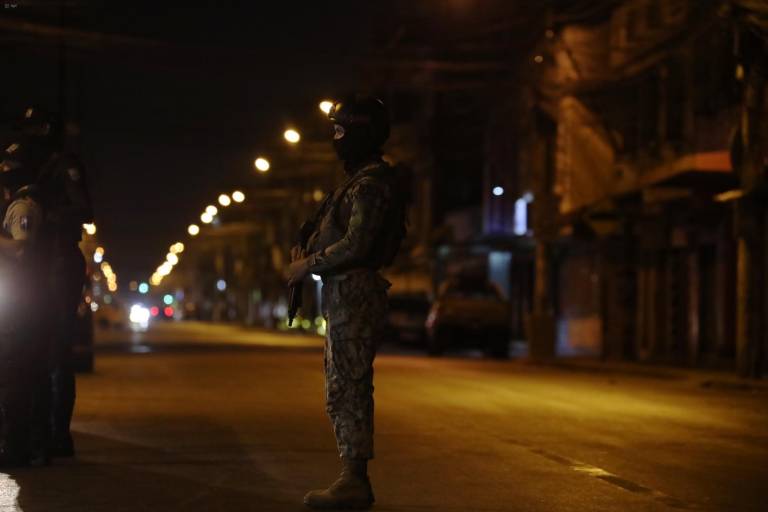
pixel 292 136
pixel 224 200
pixel 238 196
pixel 326 106
pixel 90 229
pixel 206 218
pixel 193 229
pixel 261 164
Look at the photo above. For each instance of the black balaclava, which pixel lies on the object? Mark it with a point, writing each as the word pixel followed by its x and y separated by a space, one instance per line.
pixel 354 145
pixel 361 126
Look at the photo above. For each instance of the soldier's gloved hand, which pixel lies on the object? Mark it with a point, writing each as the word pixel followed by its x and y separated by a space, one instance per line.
pixel 295 253
pixel 298 270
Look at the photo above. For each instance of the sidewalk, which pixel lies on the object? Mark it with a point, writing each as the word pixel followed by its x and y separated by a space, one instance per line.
pixel 720 379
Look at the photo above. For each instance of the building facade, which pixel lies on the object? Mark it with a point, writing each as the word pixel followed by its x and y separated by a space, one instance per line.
pixel 641 251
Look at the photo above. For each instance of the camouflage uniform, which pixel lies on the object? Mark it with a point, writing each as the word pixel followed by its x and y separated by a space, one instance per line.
pixel 354 303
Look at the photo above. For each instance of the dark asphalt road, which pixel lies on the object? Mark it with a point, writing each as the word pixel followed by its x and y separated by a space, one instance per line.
pixel 209 426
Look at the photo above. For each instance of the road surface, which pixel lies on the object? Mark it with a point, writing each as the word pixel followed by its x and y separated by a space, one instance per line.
pixel 209 418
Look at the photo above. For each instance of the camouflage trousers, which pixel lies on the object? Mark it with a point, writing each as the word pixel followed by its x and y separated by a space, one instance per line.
pixel 355 307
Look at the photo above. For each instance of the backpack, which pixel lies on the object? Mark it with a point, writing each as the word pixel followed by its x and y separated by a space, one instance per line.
pixel 399 179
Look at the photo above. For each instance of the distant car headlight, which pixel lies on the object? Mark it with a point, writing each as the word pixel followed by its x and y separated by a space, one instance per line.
pixel 139 315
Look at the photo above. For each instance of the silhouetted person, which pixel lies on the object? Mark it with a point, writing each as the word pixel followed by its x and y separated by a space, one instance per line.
pixel 67 203
pixel 25 347
pixel 358 230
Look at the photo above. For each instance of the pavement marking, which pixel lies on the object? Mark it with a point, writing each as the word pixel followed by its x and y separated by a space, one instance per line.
pixel 599 473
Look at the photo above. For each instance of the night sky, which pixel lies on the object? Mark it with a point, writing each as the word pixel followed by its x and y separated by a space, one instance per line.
pixel 174 103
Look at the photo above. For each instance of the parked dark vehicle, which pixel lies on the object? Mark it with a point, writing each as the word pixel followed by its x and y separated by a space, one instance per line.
pixel 82 349
pixel 469 313
pixel 407 318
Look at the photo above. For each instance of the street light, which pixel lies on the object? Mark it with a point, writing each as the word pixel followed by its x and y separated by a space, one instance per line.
pixel 292 136
pixel 90 229
pixel 224 200
pixel 193 229
pixel 177 248
pixel 171 258
pixel 238 196
pixel 211 210
pixel 498 191
pixel 262 164
pixel 206 218
pixel 326 106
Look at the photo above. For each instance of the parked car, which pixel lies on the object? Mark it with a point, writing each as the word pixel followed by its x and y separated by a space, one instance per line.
pixel 469 313
pixel 407 318
pixel 82 348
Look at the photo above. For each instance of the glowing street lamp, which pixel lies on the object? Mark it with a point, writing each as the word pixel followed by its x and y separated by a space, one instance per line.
pixel 262 164
pixel 193 230
pixel 292 136
pixel 90 229
pixel 211 210
pixel 171 258
pixel 206 218
pixel 177 248
pixel 224 200
pixel 326 106
pixel 238 196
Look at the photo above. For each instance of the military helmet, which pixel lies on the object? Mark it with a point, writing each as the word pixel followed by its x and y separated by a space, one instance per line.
pixel 361 112
pixel 15 170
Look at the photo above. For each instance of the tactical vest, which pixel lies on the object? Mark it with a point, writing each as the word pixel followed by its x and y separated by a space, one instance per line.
pixel 394 226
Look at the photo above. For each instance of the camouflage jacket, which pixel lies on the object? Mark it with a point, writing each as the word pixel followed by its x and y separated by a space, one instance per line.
pixel 350 220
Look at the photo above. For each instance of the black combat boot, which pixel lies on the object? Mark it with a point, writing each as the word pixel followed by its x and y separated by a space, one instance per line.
pixel 352 490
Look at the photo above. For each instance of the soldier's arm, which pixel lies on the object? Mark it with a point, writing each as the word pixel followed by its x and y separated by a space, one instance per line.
pixel 78 209
pixel 368 200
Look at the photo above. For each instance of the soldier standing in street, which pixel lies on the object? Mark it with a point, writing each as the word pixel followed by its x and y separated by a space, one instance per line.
pixel 67 204
pixel 24 354
pixel 358 230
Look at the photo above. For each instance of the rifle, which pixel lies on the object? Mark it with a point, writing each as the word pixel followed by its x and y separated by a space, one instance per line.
pixel 296 292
